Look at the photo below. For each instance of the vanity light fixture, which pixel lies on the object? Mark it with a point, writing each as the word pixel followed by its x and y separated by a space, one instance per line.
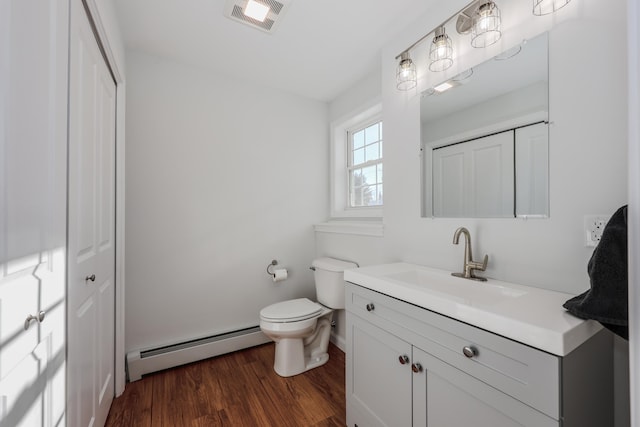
pixel 481 18
pixel 406 76
pixel 256 10
pixel 544 7
pixel 485 30
pixel 441 52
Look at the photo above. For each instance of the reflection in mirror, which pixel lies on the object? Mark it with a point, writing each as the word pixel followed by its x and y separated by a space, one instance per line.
pixel 484 138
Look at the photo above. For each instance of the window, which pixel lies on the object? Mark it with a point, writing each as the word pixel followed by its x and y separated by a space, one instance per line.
pixel 365 165
pixel 356 174
pixel 356 164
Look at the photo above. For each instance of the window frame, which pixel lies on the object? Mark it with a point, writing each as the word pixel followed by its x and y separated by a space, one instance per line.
pixel 339 175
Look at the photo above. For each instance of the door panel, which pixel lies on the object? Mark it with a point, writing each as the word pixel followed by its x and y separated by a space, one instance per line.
pixel 33 141
pixel 448 184
pixel 532 171
pixel 106 348
pixel 91 226
pixel 475 178
pixel 491 183
pixel 106 164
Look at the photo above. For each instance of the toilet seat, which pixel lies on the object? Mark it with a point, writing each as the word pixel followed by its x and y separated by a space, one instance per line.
pixel 293 310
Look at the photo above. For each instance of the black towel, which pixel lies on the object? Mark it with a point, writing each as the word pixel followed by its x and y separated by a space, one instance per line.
pixel 607 300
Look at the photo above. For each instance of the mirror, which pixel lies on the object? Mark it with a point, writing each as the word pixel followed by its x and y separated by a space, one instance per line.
pixel 484 139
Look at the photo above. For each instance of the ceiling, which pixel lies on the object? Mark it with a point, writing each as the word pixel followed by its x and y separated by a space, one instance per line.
pixel 319 49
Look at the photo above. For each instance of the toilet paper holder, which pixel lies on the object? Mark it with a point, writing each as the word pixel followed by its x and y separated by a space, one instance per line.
pixel 278 274
pixel 273 264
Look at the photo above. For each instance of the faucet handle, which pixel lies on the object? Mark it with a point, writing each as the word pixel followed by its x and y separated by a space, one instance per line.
pixel 480 266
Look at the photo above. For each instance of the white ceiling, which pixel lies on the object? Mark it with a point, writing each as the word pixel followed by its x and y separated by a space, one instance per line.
pixel 320 48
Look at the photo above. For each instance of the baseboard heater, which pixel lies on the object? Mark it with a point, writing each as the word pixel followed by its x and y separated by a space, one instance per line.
pixel 144 362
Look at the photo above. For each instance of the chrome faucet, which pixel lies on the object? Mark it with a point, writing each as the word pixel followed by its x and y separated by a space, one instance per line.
pixel 469 264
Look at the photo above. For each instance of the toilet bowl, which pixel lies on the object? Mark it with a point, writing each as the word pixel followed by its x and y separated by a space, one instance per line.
pixel 300 327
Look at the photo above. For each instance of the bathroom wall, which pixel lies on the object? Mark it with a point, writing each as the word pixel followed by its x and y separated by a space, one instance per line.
pixel 588 172
pixel 362 249
pixel 588 166
pixel 222 177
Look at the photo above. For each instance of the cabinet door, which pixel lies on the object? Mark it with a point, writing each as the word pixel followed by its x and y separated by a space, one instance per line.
pixel 444 396
pixel 378 384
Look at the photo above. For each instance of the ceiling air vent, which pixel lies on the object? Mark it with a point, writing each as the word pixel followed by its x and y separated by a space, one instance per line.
pixel 234 9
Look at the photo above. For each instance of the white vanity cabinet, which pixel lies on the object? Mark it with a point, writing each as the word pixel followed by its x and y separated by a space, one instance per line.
pixel 406 366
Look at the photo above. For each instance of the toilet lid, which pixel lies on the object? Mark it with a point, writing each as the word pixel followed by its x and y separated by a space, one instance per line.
pixel 295 309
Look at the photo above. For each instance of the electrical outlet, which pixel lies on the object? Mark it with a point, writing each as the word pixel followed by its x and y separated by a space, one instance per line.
pixel 593 227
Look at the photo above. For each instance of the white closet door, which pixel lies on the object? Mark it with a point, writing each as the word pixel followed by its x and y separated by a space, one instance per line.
pixel 33 141
pixel 449 183
pixel 532 170
pixel 91 213
pixel 475 178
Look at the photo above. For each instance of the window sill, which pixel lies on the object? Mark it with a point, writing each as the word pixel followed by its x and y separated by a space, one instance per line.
pixel 359 228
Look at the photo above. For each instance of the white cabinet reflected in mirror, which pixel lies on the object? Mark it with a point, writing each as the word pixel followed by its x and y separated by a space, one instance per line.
pixel 485 139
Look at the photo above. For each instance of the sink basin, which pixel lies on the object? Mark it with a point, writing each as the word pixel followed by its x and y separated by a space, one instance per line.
pixel 526 314
pixel 461 290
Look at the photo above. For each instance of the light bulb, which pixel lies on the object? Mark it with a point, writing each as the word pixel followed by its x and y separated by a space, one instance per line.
pixel 486 25
pixel 440 52
pixel 406 76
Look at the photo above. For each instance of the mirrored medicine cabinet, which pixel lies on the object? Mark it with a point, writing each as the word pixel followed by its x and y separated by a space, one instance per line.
pixel 485 139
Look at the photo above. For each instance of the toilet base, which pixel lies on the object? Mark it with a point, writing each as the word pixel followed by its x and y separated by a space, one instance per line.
pixel 292 360
pixel 297 355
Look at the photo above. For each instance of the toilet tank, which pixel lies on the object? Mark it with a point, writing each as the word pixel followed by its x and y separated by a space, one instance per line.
pixel 329 278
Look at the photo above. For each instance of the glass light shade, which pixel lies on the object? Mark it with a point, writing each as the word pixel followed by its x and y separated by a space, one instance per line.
pixel 406 76
pixel 544 7
pixel 485 30
pixel 441 52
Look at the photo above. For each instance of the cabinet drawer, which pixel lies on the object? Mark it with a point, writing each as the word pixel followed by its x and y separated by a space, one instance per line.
pixel 528 374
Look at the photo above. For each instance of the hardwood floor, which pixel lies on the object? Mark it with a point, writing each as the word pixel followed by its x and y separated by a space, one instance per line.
pixel 236 389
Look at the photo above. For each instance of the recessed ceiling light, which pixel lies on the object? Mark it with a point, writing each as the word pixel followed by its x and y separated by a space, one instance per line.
pixel 239 11
pixel 257 11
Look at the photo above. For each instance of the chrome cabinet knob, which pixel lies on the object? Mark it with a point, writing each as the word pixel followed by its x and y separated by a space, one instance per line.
pixel 404 359
pixel 469 351
pixel 39 318
pixel 371 307
pixel 92 278
pixel 416 367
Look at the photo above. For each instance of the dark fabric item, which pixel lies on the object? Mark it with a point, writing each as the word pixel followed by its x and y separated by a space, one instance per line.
pixel 607 300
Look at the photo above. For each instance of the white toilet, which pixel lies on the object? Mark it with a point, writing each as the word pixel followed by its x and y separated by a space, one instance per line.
pixel 301 327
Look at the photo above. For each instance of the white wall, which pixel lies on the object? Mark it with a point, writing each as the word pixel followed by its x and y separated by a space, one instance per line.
pixel 362 94
pixel 363 249
pixel 222 177
pixel 588 163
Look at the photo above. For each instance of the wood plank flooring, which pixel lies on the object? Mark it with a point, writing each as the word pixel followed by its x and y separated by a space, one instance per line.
pixel 236 389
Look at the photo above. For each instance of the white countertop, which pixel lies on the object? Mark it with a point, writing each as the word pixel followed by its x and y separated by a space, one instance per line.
pixel 525 314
